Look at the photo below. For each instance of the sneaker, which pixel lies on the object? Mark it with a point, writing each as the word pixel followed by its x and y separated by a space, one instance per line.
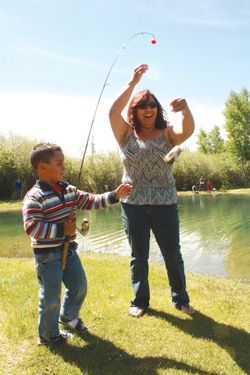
pixel 74 325
pixel 62 337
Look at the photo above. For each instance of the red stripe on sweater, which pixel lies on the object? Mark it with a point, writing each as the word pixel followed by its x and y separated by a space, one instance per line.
pixel 31 228
pixel 103 202
pixel 37 235
pixel 29 211
pixel 91 201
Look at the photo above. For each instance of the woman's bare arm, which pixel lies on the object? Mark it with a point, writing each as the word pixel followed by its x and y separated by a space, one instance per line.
pixel 179 136
pixel 120 127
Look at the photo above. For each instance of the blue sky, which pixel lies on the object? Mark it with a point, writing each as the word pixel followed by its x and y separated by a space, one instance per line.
pixel 55 55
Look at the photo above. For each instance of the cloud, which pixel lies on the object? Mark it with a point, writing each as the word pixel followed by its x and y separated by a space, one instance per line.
pixel 27 47
pixel 66 119
pixel 56 118
pixel 211 13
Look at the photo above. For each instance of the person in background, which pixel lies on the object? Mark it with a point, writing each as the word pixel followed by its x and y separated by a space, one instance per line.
pixel 18 187
pixel 194 188
pixel 210 186
pixel 202 184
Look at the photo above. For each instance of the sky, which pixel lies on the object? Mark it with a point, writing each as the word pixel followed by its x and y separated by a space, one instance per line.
pixel 55 56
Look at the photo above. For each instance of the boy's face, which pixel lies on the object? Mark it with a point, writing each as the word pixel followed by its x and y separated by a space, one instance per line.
pixel 53 171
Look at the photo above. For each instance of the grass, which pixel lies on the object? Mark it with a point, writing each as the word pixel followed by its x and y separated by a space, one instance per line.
pixel 165 341
pixel 14 205
pixel 239 191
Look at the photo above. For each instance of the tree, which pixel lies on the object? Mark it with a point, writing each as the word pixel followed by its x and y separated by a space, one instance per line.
pixel 203 142
pixel 211 142
pixel 237 114
pixel 14 162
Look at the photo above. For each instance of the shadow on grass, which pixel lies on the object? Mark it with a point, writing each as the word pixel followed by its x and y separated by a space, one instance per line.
pixel 102 357
pixel 234 340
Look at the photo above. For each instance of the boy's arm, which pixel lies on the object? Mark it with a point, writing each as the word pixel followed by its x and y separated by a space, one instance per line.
pixel 34 224
pixel 87 201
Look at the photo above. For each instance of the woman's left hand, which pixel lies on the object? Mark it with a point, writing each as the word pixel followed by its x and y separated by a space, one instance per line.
pixel 179 105
pixel 178 135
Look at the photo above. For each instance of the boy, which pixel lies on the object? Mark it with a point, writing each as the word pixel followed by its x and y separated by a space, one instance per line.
pixel 49 218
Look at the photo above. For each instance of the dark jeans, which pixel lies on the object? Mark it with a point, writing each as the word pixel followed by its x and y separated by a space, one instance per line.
pixel 164 222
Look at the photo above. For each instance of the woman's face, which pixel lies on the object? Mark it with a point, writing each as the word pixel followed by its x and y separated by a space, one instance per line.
pixel 146 113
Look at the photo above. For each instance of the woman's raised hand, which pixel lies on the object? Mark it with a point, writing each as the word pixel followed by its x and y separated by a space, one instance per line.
pixel 138 73
pixel 179 105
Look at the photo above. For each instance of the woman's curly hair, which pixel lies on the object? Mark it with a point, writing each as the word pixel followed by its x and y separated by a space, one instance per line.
pixel 143 97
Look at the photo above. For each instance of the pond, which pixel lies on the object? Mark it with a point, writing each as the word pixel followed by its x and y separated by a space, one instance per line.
pixel 214 234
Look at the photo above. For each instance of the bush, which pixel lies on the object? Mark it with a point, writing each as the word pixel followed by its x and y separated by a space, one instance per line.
pixel 14 162
pixel 224 170
pixel 100 172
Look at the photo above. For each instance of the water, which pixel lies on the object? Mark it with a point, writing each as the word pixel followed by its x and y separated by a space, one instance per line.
pixel 214 235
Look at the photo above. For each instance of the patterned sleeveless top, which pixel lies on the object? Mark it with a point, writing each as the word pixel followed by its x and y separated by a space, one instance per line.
pixel 146 170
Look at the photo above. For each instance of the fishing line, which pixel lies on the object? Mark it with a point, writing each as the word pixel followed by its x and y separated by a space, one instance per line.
pixel 153 41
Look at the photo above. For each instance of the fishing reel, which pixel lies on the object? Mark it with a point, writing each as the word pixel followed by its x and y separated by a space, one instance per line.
pixel 173 155
pixel 85 225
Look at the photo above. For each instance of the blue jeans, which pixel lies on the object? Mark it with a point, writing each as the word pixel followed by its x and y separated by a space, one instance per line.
pixel 50 277
pixel 164 222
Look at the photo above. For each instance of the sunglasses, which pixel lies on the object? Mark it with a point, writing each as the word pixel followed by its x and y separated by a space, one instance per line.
pixel 145 105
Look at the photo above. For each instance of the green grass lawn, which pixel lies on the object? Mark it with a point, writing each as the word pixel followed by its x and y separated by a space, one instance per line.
pixel 165 341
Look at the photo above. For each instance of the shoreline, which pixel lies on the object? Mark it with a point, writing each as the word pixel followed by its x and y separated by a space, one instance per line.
pixel 241 191
pixel 15 205
pixel 152 261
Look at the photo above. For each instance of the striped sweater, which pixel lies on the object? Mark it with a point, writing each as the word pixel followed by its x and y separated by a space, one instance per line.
pixel 45 209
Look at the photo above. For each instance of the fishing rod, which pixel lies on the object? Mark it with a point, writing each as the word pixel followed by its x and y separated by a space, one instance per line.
pixel 153 41
pixel 85 222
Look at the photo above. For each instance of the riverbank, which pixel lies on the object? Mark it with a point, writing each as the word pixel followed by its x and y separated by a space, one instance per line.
pixel 15 205
pixel 164 341
pixel 216 192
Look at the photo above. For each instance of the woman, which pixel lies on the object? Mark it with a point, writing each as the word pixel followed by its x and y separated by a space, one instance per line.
pixel 144 140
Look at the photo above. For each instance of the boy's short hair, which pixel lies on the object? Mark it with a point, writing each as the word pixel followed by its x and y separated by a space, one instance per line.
pixel 43 153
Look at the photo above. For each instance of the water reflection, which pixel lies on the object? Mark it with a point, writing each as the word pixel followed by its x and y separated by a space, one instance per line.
pixel 214 234
pixel 219 226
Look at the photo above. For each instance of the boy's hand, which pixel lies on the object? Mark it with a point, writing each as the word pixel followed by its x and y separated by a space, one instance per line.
pixel 123 190
pixel 70 224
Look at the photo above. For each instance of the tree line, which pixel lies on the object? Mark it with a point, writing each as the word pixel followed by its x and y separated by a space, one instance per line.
pixel 232 156
pixel 237 126
pixel 225 162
